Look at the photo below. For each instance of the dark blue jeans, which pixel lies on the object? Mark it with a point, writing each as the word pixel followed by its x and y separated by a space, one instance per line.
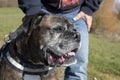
pixel 77 71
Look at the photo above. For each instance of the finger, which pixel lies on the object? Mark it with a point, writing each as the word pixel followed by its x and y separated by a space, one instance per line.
pixel 89 23
pixel 77 17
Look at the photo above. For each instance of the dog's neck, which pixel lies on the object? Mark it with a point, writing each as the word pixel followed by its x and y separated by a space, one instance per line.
pixel 25 48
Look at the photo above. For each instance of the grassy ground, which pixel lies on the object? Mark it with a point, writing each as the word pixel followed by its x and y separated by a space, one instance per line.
pixel 104 54
pixel 10 19
pixel 104 59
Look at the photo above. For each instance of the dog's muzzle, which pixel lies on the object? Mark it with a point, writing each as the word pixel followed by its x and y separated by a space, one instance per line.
pixel 67 59
pixel 58 56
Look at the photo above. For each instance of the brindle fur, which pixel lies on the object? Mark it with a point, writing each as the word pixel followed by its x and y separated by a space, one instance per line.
pixel 38 37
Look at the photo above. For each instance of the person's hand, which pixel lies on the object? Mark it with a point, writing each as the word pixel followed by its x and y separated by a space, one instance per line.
pixel 86 17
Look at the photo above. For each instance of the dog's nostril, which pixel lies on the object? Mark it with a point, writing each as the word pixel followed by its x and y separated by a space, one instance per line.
pixel 60 45
pixel 76 36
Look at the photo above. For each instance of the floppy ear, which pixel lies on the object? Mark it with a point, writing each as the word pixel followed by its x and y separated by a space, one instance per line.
pixel 30 22
pixel 26 22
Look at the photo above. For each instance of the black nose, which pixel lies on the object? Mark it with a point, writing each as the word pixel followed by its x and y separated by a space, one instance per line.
pixel 71 34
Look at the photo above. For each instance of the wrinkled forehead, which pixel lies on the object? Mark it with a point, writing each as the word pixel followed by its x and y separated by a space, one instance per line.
pixel 53 20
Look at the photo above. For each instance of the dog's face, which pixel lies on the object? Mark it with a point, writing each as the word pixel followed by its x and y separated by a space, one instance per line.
pixel 54 41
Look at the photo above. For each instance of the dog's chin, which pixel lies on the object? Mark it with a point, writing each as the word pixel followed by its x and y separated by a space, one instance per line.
pixel 63 60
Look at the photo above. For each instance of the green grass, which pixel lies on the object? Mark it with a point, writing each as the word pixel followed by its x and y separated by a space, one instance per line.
pixel 10 19
pixel 104 59
pixel 104 54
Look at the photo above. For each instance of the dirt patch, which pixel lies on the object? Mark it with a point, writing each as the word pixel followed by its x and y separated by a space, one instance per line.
pixel 8 3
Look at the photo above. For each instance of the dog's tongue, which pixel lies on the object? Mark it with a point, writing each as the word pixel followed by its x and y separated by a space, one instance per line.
pixel 71 53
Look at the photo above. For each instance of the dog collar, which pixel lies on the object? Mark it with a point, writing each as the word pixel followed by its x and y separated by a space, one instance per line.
pixel 17 66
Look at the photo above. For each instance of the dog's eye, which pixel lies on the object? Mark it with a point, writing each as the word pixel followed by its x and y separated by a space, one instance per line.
pixel 58 29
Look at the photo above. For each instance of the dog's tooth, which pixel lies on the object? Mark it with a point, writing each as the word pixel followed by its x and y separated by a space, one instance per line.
pixel 66 55
pixel 41 47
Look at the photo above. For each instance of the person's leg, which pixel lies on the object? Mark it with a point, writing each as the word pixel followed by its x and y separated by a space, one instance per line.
pixel 78 71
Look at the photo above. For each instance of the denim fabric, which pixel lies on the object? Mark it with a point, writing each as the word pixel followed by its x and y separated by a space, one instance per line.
pixel 78 71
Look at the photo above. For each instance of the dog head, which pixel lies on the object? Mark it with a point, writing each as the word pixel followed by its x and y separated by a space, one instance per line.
pixel 52 40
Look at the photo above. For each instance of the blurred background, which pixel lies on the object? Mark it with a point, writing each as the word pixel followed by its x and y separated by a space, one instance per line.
pixel 104 53
pixel 106 21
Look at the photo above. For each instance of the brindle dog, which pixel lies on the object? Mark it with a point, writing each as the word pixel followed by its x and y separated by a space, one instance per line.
pixel 44 41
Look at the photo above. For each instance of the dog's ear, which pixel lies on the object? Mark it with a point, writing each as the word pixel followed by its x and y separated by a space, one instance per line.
pixel 30 21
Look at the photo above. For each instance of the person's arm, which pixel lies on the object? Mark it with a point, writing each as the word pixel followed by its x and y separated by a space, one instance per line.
pixel 90 6
pixel 87 10
pixel 30 6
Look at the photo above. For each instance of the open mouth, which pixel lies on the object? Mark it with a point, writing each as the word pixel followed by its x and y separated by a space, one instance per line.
pixel 55 60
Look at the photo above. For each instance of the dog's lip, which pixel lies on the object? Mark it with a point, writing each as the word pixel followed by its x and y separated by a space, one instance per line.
pixel 54 59
pixel 61 59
